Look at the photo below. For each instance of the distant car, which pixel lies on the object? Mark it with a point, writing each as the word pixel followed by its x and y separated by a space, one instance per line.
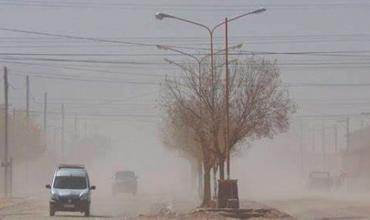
pixel 320 180
pixel 70 190
pixel 124 182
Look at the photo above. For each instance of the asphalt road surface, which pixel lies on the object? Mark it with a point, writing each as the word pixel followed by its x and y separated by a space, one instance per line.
pixel 325 207
pixel 307 207
pixel 103 207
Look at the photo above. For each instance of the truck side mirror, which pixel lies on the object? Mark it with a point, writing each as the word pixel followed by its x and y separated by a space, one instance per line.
pixel 92 187
pixel 48 186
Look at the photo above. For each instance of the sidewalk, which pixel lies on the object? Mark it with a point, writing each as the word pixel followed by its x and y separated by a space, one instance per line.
pixel 249 210
pixel 6 202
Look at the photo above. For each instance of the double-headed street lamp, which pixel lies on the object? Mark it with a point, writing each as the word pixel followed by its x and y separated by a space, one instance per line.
pixel 196 58
pixel 161 16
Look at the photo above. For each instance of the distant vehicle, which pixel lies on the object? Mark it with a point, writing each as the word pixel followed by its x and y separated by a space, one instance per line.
pixel 320 180
pixel 70 190
pixel 124 182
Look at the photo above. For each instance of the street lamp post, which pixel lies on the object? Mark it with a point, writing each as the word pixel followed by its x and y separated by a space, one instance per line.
pixel 161 16
pixel 227 135
pixel 198 60
pixel 210 31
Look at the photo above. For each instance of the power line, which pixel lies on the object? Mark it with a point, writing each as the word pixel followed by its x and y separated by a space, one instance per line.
pixel 183 7
pixel 90 71
pixel 74 37
pixel 335 52
pixel 84 38
pixel 95 114
pixel 101 100
pixel 141 62
pixel 327 84
pixel 80 65
pixel 90 80
pixel 149 62
pixel 199 38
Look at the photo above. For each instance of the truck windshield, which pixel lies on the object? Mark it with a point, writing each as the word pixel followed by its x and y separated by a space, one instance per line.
pixel 70 182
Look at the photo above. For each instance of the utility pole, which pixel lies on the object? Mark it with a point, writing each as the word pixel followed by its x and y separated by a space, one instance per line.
pixel 347 133
pixel 5 163
pixel 323 147
pixel 301 167
pixel 10 176
pixel 335 139
pixel 28 98
pixel 45 111
pixel 313 140
pixel 85 128
pixel 62 134
pixel 227 146
pixel 75 125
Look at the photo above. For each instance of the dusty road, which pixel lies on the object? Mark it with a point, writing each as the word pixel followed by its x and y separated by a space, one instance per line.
pixel 305 207
pixel 103 207
pixel 324 207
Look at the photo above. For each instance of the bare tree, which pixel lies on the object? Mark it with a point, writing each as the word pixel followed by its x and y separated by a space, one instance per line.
pixel 195 104
pixel 259 104
pixel 187 102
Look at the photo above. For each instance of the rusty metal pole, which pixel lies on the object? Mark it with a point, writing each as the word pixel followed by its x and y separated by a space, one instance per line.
pixel 62 134
pixel 45 112
pixel 227 147
pixel 212 69
pixel 348 134
pixel 28 98
pixel 10 176
pixel 6 150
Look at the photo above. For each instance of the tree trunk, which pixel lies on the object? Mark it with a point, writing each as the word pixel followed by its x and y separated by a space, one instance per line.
pixel 193 174
pixel 215 181
pixel 221 162
pixel 200 178
pixel 206 185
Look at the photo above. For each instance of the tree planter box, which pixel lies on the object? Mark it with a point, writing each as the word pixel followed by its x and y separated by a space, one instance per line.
pixel 228 194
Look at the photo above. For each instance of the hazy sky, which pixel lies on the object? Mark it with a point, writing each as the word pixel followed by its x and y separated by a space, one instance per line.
pixel 110 93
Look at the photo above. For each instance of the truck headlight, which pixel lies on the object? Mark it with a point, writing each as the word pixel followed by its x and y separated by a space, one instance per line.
pixel 84 196
pixel 54 197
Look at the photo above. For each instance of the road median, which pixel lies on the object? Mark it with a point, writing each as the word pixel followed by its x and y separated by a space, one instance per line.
pixel 249 210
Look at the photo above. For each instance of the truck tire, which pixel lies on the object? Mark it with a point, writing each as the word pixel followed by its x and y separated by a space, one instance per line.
pixel 51 211
pixel 87 212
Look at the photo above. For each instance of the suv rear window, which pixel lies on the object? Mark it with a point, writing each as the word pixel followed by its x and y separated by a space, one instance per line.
pixel 70 182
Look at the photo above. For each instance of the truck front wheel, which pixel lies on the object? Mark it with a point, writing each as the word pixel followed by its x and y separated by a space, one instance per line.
pixel 51 211
pixel 87 211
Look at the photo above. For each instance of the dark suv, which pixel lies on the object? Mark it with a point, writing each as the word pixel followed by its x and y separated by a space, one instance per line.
pixel 320 180
pixel 124 182
pixel 70 190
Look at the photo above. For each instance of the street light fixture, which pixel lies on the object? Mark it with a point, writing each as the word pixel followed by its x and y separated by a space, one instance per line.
pixel 198 60
pixel 161 16
pixel 173 48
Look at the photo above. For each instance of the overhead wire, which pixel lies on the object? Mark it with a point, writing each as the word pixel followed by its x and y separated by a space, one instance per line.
pixel 85 38
pixel 184 7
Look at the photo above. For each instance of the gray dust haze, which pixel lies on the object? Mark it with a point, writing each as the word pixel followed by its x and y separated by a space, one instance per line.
pixel 103 74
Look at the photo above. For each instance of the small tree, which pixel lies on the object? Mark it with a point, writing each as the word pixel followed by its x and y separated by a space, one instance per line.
pixel 195 104
pixel 258 103
pixel 26 139
pixel 187 103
